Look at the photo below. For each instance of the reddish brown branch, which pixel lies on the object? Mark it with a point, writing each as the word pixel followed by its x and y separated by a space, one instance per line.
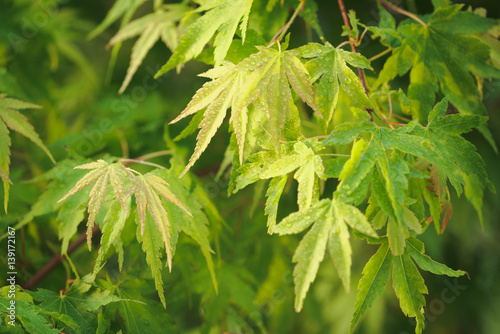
pixel 354 49
pixel 56 260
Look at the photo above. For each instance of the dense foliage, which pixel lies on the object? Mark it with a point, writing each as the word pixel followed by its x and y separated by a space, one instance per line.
pixel 338 153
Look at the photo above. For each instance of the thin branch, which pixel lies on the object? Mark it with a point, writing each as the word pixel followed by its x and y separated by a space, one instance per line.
pixel 129 161
pixel 322 136
pixel 395 123
pixel 390 106
pixel 72 265
pixel 362 35
pixel 402 11
pixel 354 49
pixel 56 260
pixel 154 155
pixel 142 158
pixel 346 42
pixel 123 144
pixel 281 33
pixel 345 18
pixel 402 118
pixel 380 54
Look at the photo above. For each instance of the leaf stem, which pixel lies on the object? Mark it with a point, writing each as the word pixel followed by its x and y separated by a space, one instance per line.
pixel 334 154
pixel 402 118
pixel 140 160
pixel 123 144
pixel 394 123
pixel 402 11
pixel 390 106
pixel 128 161
pixel 72 265
pixel 354 49
pixel 321 136
pixel 385 119
pixel 346 42
pixel 154 155
pixel 380 54
pixel 281 33
pixel 362 35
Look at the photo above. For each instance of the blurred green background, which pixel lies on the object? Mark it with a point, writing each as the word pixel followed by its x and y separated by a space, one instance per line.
pixel 56 66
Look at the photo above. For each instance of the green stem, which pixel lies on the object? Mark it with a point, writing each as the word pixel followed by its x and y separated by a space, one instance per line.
pixel 380 54
pixel 335 155
pixel 128 161
pixel 402 11
pixel 72 265
pixel 281 33
pixel 154 155
pixel 141 159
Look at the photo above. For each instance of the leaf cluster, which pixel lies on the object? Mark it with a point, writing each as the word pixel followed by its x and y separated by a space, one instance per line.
pixel 322 148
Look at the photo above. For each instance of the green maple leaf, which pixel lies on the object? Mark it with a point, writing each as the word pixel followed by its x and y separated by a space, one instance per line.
pixel 441 3
pixel 407 282
pixel 147 316
pixel 389 182
pixel 308 168
pixel 102 174
pixel 250 172
pixel 11 118
pixel 417 252
pixel 114 221
pixel 29 315
pixel 356 170
pixel 369 162
pixel 376 274
pixel 440 143
pixel 144 318
pixel 273 195
pixel 410 288
pixel 147 190
pixel 386 29
pixel 474 193
pixel 151 28
pixel 193 220
pixel 152 245
pixel 443 54
pixel 411 139
pixel 329 220
pixel 262 79
pixel 444 134
pixel 217 96
pixel 154 226
pixel 74 308
pixel 221 17
pixel 268 85
pixel 61 179
pixel 329 66
pixel 125 8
